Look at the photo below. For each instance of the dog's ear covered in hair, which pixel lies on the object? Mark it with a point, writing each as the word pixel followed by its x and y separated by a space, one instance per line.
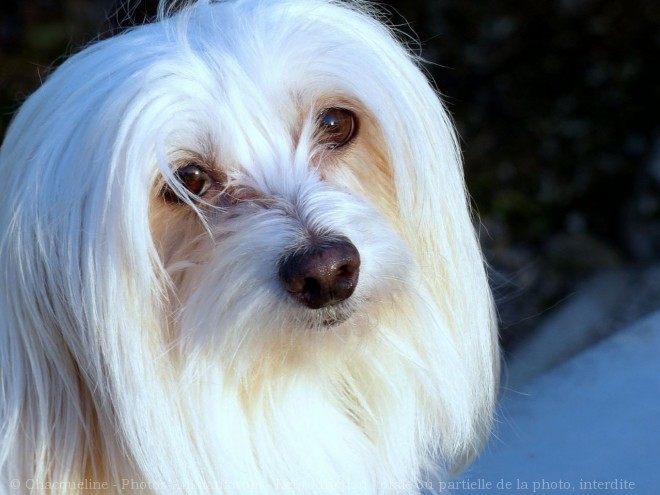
pixel 92 386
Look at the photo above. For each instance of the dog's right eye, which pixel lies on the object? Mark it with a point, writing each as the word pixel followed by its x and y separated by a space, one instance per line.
pixel 193 178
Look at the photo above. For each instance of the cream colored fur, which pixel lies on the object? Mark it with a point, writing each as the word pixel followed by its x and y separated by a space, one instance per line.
pixel 150 346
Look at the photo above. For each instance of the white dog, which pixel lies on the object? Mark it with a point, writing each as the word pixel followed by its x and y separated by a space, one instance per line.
pixel 236 255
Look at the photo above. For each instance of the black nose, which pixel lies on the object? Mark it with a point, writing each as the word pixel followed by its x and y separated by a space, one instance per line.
pixel 321 276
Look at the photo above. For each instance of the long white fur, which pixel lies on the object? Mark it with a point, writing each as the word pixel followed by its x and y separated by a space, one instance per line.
pixel 148 348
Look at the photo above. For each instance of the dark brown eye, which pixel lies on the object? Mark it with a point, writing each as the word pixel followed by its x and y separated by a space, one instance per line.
pixel 336 127
pixel 193 178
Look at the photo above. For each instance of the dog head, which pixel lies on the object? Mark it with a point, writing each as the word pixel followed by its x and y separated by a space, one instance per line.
pixel 245 210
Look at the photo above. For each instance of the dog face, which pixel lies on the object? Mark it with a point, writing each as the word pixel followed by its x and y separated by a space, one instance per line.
pixel 241 252
pixel 288 238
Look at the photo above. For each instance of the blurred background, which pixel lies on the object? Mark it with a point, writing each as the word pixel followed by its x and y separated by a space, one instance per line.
pixel 556 103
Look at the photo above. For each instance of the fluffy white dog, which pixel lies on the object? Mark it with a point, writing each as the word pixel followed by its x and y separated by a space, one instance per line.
pixel 236 254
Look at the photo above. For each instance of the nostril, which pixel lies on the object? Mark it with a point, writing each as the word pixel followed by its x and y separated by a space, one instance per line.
pixel 311 287
pixel 344 271
pixel 322 275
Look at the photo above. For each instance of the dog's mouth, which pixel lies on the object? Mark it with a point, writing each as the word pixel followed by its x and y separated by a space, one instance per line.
pixel 333 316
pixel 331 322
pixel 334 320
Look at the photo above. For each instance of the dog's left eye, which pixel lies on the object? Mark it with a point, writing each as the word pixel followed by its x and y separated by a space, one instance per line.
pixel 336 127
